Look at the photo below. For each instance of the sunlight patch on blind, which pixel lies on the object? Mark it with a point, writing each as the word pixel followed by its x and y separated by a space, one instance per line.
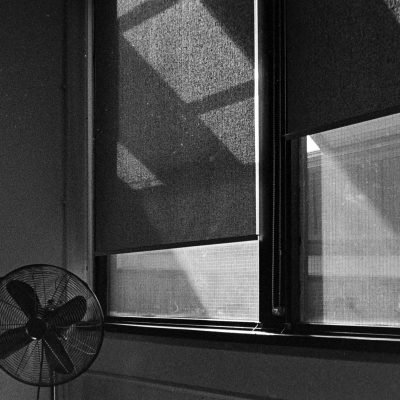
pixel 125 6
pixel 190 51
pixel 132 171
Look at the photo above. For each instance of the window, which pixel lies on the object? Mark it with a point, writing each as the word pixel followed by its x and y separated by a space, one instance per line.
pixel 176 163
pixel 246 164
pixel 342 119
pixel 350 222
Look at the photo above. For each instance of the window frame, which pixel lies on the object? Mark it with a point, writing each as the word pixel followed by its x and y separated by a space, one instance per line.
pixel 279 235
pixel 266 170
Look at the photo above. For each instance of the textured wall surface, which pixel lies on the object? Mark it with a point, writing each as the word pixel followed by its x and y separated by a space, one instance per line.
pixel 31 137
pixel 31 133
pixel 147 368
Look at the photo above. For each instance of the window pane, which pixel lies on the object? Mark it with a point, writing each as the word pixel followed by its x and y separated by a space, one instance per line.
pixel 175 133
pixel 351 222
pixel 218 282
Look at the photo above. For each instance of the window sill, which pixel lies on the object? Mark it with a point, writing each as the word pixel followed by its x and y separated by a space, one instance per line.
pixel 245 338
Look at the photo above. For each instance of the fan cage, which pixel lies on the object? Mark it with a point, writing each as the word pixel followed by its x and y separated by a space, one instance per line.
pixel 82 341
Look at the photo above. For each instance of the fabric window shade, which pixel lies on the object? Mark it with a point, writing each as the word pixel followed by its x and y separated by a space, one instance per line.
pixel 174 119
pixel 343 59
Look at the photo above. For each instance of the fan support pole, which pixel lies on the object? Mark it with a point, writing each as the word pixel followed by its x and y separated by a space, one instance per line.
pixel 53 392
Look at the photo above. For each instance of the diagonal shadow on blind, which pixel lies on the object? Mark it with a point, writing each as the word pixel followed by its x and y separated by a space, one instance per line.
pixel 169 166
pixel 201 170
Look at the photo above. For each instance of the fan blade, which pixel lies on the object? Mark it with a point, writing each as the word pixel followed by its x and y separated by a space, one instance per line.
pixel 25 297
pixel 69 313
pixel 13 340
pixel 56 356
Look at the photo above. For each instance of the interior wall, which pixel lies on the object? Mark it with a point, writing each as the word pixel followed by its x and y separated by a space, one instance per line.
pixel 31 143
pixel 31 215
pixel 149 368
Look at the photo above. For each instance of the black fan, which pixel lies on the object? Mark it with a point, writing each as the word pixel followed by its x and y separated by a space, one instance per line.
pixel 51 325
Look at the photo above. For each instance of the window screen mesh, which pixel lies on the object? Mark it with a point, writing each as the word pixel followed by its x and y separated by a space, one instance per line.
pixel 351 222
pixel 218 282
pixel 175 142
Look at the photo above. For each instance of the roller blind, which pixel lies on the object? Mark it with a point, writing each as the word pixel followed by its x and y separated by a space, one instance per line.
pixel 343 59
pixel 174 122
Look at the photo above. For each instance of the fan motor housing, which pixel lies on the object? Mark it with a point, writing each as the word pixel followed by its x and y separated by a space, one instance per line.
pixel 36 328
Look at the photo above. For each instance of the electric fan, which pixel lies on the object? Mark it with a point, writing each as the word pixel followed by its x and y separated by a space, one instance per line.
pixel 51 325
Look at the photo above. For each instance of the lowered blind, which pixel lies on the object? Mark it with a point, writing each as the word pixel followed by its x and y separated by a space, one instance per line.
pixel 343 61
pixel 174 118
